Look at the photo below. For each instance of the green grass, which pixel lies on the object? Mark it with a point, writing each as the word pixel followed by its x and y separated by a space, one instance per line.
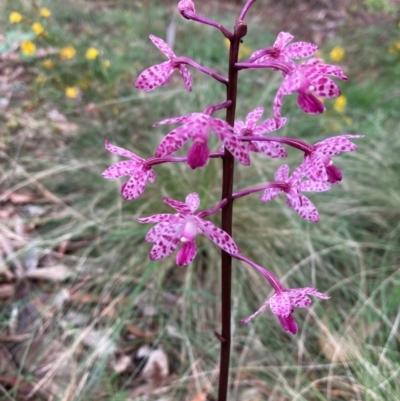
pixel 347 348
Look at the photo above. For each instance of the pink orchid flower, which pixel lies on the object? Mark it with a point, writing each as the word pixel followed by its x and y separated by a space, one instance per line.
pixel 197 126
pixel 292 188
pixel 172 230
pixel 309 80
pixel 186 6
pixel 318 166
pixel 160 74
pixel 249 128
pixel 135 167
pixel 283 302
pixel 280 52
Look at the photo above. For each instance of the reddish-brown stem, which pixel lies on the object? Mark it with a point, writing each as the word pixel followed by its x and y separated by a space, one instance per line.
pixel 227 189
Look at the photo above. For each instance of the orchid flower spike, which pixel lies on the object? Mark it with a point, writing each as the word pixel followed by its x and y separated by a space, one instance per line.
pixel 249 128
pixel 182 228
pixel 292 188
pixel 196 126
pixel 280 52
pixel 283 302
pixel 309 80
pixel 136 168
pixel 160 74
pixel 318 166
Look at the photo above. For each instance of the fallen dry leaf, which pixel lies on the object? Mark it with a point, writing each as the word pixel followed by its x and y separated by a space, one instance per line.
pixel 122 364
pixel 200 397
pixel 138 332
pixel 17 198
pixel 54 273
pixel 6 291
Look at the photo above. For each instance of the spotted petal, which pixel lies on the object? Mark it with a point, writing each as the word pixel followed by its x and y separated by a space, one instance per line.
pixel 282 40
pixel 314 186
pixel 280 304
pixel 163 228
pixel 238 127
pixel 253 117
pixel 269 194
pixel 179 206
pixel 336 145
pixel 282 173
pixel 121 169
pixel 218 236
pixel 299 299
pixel 121 152
pixel 173 120
pixel 314 168
pixel 300 50
pixel 162 46
pixel 193 202
pixel 166 243
pixel 327 69
pixel 187 78
pixel 230 141
pixel 306 209
pixel 155 76
pixel 325 87
pixel 270 149
pixel 173 141
pixel 269 126
pixel 158 218
pixel 135 186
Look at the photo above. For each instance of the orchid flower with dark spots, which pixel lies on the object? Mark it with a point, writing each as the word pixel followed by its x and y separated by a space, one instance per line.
pixel 249 128
pixel 182 228
pixel 160 74
pixel 317 164
pixel 292 187
pixel 283 303
pixel 136 168
pixel 281 52
pixel 309 80
pixel 197 126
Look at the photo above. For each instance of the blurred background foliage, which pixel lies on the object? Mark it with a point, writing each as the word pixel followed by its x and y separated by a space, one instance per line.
pixel 86 315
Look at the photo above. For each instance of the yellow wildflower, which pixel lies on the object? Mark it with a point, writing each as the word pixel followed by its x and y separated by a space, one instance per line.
pixel 45 12
pixel 91 53
pixel 337 53
pixel 15 17
pixel 348 120
pixel 227 43
pixel 28 48
pixel 66 53
pixel 71 92
pixel 37 28
pixel 340 104
pixel 48 63
pixel 83 83
pixel 40 79
pixel 244 51
pixel 106 64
